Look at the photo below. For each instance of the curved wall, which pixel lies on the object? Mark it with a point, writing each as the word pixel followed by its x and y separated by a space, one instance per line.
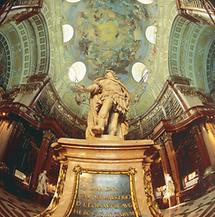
pixel 192 52
pixel 28 49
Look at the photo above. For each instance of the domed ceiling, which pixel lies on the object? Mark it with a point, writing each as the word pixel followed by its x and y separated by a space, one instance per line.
pixel 99 35
pixel 108 35
pixel 74 41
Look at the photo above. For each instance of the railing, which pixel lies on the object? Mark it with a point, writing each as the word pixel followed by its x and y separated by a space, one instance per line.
pixel 193 114
pixel 172 107
pixel 197 10
pixel 22 111
pixel 11 109
pixel 5 9
pixel 19 10
pixel 166 106
pixel 27 4
pixel 49 104
pixel 191 4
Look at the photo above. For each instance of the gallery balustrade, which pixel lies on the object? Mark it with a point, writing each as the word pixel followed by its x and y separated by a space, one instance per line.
pixel 197 10
pixel 19 10
pixel 174 106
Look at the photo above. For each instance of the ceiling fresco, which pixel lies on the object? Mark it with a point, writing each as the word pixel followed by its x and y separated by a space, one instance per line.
pixel 107 35
pixel 144 41
pixel 85 37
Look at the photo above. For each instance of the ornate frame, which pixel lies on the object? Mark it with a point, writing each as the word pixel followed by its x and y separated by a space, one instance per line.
pixel 130 172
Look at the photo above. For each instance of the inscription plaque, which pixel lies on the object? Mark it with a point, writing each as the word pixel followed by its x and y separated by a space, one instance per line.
pixel 103 195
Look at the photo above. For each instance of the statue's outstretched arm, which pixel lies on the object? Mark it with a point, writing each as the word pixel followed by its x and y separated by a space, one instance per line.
pixel 89 89
pixel 93 88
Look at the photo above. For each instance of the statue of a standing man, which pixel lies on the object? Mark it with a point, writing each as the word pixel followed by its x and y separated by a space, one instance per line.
pixel 109 103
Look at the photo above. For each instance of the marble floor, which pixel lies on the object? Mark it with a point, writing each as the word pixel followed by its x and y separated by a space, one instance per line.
pixel 13 206
pixel 201 207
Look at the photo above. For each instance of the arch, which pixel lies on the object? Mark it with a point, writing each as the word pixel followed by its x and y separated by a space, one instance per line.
pixel 189 46
pixel 28 43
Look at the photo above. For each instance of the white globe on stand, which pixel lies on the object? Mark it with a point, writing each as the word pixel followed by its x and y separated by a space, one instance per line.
pixel 77 71
pixel 139 72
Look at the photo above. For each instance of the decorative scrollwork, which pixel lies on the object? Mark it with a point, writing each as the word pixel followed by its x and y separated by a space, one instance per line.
pixel 58 192
pixel 78 170
pixel 153 207
pixel 132 171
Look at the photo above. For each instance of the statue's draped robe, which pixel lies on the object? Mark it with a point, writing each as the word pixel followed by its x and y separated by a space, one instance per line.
pixel 104 88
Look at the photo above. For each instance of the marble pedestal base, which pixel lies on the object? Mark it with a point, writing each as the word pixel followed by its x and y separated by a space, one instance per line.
pixel 101 178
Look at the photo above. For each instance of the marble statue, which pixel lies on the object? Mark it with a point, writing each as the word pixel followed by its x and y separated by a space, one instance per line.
pixel 42 183
pixel 170 187
pixel 109 103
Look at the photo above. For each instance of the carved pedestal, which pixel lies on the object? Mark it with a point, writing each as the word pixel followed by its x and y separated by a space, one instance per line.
pixel 101 178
